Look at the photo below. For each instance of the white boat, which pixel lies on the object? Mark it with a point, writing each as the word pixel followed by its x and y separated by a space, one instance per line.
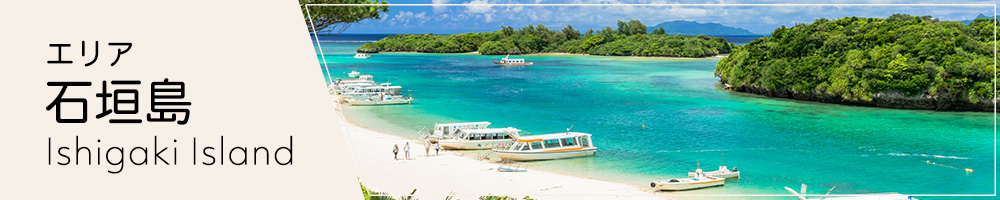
pixel 723 172
pixel 361 55
pixel 384 100
pixel 701 181
pixel 443 131
pixel 354 74
pixel 347 87
pixel 549 146
pixel 364 90
pixel 385 95
pixel 467 139
pixel 506 60
pixel 338 85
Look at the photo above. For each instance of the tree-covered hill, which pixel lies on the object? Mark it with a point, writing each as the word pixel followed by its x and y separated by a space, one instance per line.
pixel 629 39
pixel 681 27
pixel 902 62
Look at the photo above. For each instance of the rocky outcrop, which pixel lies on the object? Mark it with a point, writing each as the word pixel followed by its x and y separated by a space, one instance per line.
pixel 942 102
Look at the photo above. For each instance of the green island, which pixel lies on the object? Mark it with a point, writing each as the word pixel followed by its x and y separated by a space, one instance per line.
pixel 903 61
pixel 629 39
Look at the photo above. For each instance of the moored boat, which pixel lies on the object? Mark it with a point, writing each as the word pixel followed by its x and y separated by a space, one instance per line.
pixel 383 95
pixel 506 60
pixel 447 130
pixel 365 90
pixel 468 139
pixel 723 172
pixel 354 74
pixel 548 147
pixel 361 55
pixel 338 86
pixel 374 101
pixel 700 181
pixel 347 87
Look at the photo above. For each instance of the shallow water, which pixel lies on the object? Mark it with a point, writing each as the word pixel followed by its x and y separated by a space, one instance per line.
pixel 774 142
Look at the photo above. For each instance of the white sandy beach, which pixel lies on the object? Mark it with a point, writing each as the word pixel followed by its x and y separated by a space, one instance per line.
pixel 464 177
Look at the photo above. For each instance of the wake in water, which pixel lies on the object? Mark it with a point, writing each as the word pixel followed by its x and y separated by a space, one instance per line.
pixel 713 150
pixel 925 156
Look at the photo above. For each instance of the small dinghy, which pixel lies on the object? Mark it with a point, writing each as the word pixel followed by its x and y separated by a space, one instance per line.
pixel 700 181
pixel 723 172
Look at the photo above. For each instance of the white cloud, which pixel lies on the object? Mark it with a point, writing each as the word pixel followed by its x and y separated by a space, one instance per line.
pixel 438 8
pixel 407 19
pixel 768 20
pixel 475 6
pixel 489 17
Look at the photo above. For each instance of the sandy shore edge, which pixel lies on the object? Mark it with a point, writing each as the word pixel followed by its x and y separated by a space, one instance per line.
pixel 450 174
pixel 563 54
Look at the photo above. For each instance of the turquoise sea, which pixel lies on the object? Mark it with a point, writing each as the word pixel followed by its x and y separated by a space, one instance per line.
pixel 688 119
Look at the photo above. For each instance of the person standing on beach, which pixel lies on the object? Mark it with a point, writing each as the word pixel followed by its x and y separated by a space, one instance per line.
pixel 395 152
pixel 437 149
pixel 427 147
pixel 407 150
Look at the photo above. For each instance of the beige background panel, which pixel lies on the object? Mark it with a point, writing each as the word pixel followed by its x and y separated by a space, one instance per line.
pixel 251 75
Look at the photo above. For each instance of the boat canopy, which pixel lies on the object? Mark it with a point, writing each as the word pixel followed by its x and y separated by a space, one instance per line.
pixel 463 125
pixel 490 130
pixel 488 133
pixel 538 138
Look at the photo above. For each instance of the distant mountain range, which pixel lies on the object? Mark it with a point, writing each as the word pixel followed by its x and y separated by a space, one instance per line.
pixel 681 27
pixel 981 15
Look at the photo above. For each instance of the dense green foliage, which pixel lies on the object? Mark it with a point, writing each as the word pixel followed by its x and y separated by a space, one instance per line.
pixel 629 39
pixel 336 19
pixel 857 58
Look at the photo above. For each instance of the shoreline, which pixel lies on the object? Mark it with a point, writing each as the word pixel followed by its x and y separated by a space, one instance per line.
pixel 455 173
pixel 562 54
pixel 880 100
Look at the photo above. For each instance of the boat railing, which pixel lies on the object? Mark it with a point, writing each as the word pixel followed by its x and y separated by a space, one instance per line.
pixel 485 156
pixel 424 135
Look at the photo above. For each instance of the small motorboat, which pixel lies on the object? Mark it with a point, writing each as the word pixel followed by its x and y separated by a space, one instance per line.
pixel 506 60
pixel 700 181
pixel 354 74
pixel 723 172
pixel 361 55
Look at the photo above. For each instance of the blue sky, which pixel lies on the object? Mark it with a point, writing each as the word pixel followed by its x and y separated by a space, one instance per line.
pixel 475 16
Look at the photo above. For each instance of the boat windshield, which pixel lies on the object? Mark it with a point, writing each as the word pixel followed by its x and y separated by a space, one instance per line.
pixel 522 147
pixel 567 142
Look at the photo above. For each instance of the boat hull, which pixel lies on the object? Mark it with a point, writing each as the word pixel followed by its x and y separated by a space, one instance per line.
pixel 530 156
pixel 514 64
pixel 703 182
pixel 366 102
pixel 472 145
pixel 726 175
pixel 434 138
